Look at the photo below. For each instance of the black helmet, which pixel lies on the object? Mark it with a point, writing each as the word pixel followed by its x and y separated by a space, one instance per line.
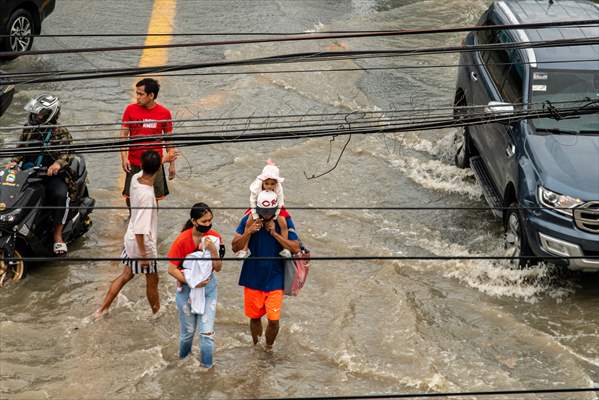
pixel 43 109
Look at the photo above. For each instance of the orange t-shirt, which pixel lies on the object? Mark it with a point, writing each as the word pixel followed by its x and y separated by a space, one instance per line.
pixel 185 245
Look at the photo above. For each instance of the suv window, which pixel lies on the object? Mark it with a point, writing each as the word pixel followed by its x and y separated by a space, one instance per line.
pixel 504 65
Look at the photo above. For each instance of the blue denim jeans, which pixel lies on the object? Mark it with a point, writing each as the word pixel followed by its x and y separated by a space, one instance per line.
pixel 189 323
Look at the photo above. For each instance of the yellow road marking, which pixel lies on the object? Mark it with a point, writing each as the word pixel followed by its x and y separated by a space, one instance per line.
pixel 161 21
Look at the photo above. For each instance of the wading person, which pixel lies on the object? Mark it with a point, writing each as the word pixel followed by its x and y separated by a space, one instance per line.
pixel 139 119
pixel 200 244
pixel 263 279
pixel 139 251
pixel 269 179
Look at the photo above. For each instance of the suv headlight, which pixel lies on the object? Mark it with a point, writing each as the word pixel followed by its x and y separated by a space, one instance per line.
pixel 10 216
pixel 559 202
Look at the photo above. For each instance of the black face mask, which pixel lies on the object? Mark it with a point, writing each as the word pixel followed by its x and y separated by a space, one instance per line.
pixel 266 214
pixel 203 228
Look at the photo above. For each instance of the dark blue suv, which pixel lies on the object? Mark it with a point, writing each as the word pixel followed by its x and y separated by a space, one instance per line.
pixel 547 167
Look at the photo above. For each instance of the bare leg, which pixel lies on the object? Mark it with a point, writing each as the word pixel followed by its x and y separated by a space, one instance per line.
pixel 128 202
pixel 115 288
pixel 152 292
pixel 272 329
pixel 256 329
pixel 58 233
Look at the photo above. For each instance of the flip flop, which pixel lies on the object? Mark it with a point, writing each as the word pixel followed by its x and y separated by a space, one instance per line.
pixel 60 249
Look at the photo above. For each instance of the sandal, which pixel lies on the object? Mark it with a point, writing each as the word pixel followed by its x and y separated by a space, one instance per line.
pixel 60 249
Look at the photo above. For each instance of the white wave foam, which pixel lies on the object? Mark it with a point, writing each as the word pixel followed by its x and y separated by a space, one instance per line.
pixel 353 364
pixel 437 175
pixel 319 26
pixel 492 277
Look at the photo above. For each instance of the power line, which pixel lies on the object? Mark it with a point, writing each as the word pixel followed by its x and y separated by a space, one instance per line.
pixel 541 25
pixel 309 208
pixel 267 119
pixel 203 139
pixel 311 258
pixel 31 74
pixel 302 37
pixel 312 57
pixel 440 394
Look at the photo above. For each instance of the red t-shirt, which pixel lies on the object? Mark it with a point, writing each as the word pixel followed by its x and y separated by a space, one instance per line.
pixel 135 112
pixel 184 245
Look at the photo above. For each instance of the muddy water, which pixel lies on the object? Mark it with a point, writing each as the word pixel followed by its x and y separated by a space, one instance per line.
pixel 358 327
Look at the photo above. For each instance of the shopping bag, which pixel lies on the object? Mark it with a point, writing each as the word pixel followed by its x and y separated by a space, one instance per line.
pixel 296 272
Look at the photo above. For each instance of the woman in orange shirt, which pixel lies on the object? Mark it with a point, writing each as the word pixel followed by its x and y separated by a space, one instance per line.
pixel 197 234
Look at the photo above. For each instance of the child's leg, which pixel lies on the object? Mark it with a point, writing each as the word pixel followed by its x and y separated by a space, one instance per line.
pixel 245 251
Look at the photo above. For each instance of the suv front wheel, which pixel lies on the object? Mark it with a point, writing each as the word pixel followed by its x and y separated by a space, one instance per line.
pixel 20 29
pixel 515 240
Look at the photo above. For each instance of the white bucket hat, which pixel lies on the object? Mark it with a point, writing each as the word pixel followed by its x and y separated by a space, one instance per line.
pixel 271 171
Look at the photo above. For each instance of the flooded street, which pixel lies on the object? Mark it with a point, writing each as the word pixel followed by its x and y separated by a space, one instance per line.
pixel 358 327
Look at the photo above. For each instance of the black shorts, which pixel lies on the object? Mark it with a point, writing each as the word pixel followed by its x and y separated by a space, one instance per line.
pixel 136 268
pixel 160 185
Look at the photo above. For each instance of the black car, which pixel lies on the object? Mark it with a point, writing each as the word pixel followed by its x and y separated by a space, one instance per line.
pixel 546 169
pixel 20 19
pixel 6 94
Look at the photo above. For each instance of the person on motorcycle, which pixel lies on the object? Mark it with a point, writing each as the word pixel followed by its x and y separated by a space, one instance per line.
pixel 41 130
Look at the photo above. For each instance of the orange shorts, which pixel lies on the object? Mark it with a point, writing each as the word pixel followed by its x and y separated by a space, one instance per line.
pixel 257 303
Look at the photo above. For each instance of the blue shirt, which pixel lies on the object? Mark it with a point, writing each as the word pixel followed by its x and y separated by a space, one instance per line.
pixel 264 275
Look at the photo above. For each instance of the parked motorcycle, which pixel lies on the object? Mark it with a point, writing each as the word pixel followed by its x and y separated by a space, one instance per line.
pixel 26 230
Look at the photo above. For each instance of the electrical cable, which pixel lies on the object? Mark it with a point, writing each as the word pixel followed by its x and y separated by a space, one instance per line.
pixel 311 258
pixel 302 37
pixel 538 25
pixel 505 392
pixel 267 118
pixel 315 57
pixel 203 139
pixel 31 74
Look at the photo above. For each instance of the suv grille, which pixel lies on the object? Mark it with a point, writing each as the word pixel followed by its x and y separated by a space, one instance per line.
pixel 586 216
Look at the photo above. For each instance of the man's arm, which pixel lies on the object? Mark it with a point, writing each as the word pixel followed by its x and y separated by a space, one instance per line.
pixel 125 152
pixel 170 150
pixel 143 252
pixel 240 241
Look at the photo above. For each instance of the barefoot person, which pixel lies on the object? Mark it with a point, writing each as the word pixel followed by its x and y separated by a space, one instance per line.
pixel 263 279
pixel 140 240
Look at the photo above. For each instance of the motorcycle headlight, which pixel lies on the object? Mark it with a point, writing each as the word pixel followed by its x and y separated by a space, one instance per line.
pixel 559 202
pixel 10 216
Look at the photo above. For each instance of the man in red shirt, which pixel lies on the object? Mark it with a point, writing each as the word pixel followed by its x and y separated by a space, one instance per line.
pixel 140 119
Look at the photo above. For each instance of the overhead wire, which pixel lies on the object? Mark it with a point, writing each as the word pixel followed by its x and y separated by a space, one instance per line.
pixel 267 119
pixel 310 57
pixel 304 37
pixel 538 25
pixel 30 74
pixel 205 139
pixel 485 393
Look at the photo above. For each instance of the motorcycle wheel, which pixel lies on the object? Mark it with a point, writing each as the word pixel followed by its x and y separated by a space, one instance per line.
pixel 12 271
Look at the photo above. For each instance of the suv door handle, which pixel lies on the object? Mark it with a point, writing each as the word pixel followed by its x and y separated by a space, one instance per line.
pixel 510 150
pixel 474 76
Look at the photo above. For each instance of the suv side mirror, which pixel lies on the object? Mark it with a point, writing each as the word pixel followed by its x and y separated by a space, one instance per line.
pixel 499 107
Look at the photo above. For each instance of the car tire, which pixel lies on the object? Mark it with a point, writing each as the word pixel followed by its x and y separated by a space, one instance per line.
pixel 21 26
pixel 515 239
